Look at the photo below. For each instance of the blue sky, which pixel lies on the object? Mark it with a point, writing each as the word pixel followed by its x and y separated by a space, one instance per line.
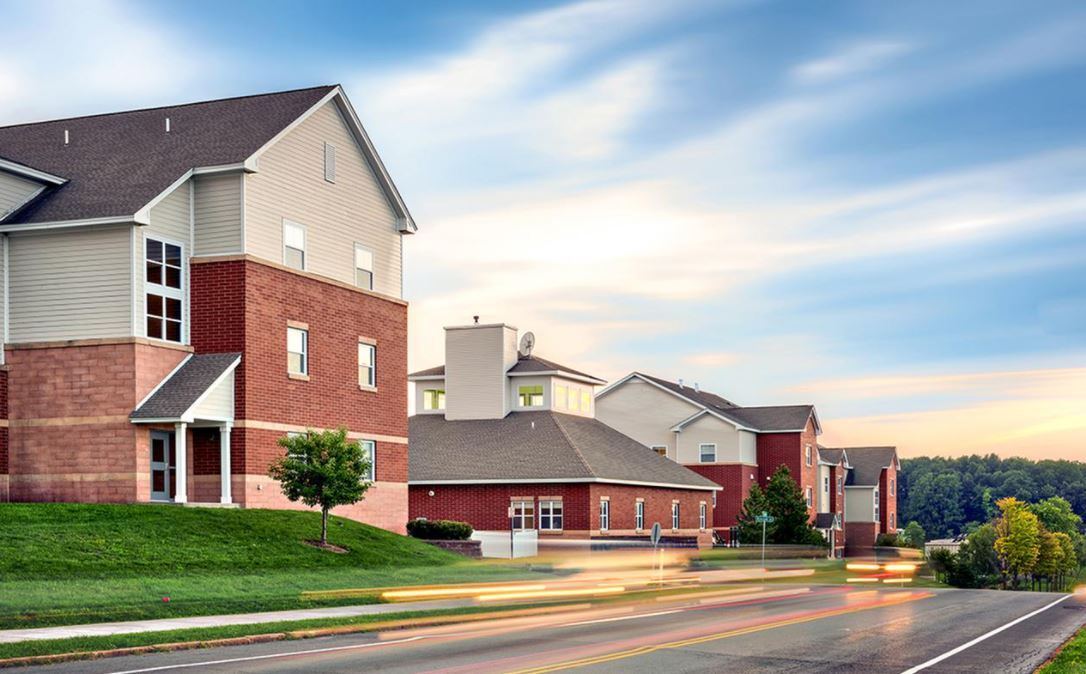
pixel 876 207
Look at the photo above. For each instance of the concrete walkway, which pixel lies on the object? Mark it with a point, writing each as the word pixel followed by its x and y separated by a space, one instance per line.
pixel 166 624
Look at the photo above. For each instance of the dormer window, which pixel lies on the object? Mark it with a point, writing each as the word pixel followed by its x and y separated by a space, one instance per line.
pixel 561 395
pixel 433 399
pixel 531 396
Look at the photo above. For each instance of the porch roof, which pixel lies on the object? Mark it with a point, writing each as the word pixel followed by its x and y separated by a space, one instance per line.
pixel 182 391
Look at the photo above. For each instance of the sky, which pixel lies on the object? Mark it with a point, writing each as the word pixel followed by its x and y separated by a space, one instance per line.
pixel 874 207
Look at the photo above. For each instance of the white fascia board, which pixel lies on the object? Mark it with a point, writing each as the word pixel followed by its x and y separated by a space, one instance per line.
pixel 572 480
pixel 427 377
pixel 32 173
pixel 203 396
pixel 221 168
pixel 558 373
pixel 143 215
pixel 19 206
pixel 615 384
pixel 818 424
pixel 61 224
pixel 678 428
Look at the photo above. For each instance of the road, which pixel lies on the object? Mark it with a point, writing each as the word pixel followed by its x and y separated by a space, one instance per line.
pixel 773 629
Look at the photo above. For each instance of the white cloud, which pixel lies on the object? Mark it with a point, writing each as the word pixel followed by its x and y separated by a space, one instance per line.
pixel 852 60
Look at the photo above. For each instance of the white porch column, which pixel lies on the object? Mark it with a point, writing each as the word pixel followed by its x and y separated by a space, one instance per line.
pixel 224 463
pixel 181 463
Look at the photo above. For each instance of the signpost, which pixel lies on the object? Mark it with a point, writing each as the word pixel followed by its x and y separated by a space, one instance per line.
pixel 765 518
pixel 512 536
pixel 654 536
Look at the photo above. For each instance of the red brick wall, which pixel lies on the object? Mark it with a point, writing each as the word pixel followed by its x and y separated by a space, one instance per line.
pixel 736 482
pixel 777 449
pixel 657 507
pixel 888 501
pixel 860 537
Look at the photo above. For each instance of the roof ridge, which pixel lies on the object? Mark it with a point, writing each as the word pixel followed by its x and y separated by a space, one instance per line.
pixel 769 407
pixel 163 107
pixel 572 445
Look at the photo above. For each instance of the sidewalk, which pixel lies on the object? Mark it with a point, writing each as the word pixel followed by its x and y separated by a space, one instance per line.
pixel 166 624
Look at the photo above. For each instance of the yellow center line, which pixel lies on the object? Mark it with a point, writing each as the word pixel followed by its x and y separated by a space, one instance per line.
pixel 645 650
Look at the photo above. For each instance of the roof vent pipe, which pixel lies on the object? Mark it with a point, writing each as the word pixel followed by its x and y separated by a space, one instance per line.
pixel 476 319
pixel 167 125
pixel 65 136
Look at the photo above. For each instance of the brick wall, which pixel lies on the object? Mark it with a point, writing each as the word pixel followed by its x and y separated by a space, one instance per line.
pixel 888 501
pixel 736 481
pixel 4 433
pixel 860 537
pixel 777 449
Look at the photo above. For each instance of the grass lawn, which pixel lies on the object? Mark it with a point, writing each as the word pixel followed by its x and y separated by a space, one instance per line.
pixel 75 563
pixel 1071 659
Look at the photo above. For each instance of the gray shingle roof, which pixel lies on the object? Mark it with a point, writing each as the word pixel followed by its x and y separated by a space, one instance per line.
pixel 438 371
pixel 704 398
pixel 834 456
pixel 825 520
pixel 868 464
pixel 524 365
pixel 116 163
pixel 178 393
pixel 535 446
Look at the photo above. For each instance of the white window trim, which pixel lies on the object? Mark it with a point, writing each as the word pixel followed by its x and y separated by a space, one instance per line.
pixel 605 514
pixel 542 394
pixel 372 456
pixel 305 351
pixel 551 502
pixel 808 455
pixel 373 364
pixel 703 512
pixel 676 517
pixel 355 267
pixel 701 458
pixel 808 494
pixel 438 394
pixel 181 293
pixel 639 516
pixel 305 243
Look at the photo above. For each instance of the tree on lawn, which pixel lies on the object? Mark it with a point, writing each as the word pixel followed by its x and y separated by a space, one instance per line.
pixel 788 506
pixel 1056 515
pixel 1049 556
pixel 914 535
pixel 322 469
pixel 1019 538
pixel 750 530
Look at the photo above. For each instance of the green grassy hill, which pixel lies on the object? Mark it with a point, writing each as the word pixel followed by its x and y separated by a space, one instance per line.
pixel 65 541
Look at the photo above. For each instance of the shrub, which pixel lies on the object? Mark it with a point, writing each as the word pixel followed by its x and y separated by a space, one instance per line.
pixel 439 530
pixel 889 541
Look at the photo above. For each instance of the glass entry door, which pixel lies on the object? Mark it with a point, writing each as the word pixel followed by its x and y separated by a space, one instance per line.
pixel 163 471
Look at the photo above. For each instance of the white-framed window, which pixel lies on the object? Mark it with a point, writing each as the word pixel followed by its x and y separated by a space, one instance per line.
pixel 660 449
pixel 674 515
pixel 808 495
pixel 433 399
pixel 826 484
pixel 330 162
pixel 294 244
pixel 297 351
pixel 714 498
pixel 164 290
pixel 639 515
pixel 702 515
pixel 878 509
pixel 573 403
pixel 369 449
pixel 530 396
pixel 605 514
pixel 363 267
pixel 550 515
pixel 707 452
pixel 808 454
pixel 295 455
pixel 891 486
pixel 367 365
pixel 586 401
pixel 523 514
pixel 561 394
pixel 840 483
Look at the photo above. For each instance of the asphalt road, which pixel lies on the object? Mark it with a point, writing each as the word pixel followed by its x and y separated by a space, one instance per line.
pixel 800 629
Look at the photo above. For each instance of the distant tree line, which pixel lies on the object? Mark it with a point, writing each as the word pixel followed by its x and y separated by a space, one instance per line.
pixel 947 496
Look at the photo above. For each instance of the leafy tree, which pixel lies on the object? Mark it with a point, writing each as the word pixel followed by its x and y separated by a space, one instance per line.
pixel 1056 515
pixel 935 503
pixel 750 531
pixel 914 535
pixel 1017 483
pixel 978 554
pixel 1018 538
pixel 322 469
pixel 788 506
pixel 1070 562
pixel 1049 555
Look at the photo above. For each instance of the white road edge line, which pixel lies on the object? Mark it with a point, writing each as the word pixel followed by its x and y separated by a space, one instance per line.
pixel 624 617
pixel 974 642
pixel 270 656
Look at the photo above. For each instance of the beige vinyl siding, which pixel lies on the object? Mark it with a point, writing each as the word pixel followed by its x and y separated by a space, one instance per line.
pixel 748 447
pixel 219 404
pixel 289 183
pixel 822 490
pixel 3 298
pixel 70 284
pixel 14 191
pixel 859 504
pixel 170 221
pixel 643 412
pixel 573 388
pixel 217 201
pixel 421 387
pixel 475 367
pixel 708 429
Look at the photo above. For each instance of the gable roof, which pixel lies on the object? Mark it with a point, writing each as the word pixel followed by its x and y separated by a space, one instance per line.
pixel 185 387
pixel 833 456
pixel 868 464
pixel 116 164
pixel 525 365
pixel 536 447
pixel 765 419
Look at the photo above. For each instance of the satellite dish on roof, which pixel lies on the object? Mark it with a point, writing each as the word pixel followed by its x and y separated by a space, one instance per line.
pixel 527 343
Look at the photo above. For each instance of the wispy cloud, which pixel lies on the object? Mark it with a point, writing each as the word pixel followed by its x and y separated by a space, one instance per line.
pixel 852 60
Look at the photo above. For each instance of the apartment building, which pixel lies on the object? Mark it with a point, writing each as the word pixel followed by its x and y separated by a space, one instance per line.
pixel 870 494
pixel 503 438
pixel 184 285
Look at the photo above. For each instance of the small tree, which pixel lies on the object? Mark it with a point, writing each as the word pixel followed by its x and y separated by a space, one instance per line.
pixel 322 469
pixel 1049 556
pixel 750 531
pixel 914 535
pixel 978 554
pixel 786 503
pixel 1019 532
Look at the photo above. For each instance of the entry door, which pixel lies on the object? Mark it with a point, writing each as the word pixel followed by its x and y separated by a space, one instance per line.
pixel 163 475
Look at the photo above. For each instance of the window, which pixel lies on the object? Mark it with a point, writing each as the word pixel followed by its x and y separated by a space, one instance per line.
pixel 574 401
pixel 702 512
pixel 164 290
pixel 674 515
pixel 523 514
pixel 561 393
pixel 363 267
pixel 367 365
pixel 807 454
pixel 433 399
pixel 893 520
pixel 293 244
pixel 297 351
pixel 807 493
pixel 605 515
pixel 660 449
pixel 295 455
pixel 639 515
pixel 840 484
pixel 878 514
pixel 369 450
pixel 707 452
pixel 330 162
pixel 891 487
pixel 550 515
pixel 714 498
pixel 531 396
pixel 586 402
pixel 826 484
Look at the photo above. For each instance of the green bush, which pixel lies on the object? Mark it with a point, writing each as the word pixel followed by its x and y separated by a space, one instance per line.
pixel 439 530
pixel 889 541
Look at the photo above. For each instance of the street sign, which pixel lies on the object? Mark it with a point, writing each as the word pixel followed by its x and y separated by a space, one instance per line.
pixel 655 535
pixel 764 518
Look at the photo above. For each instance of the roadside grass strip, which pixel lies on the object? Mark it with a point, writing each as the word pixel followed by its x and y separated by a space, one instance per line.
pixel 1070 658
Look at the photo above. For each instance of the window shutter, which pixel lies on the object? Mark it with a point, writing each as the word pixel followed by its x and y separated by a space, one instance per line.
pixel 330 162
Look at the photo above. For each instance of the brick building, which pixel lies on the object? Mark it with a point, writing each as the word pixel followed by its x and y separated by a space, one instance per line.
pixel 499 432
pixel 183 286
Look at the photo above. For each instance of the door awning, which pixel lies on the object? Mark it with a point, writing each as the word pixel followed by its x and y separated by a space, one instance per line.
pixel 201 387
